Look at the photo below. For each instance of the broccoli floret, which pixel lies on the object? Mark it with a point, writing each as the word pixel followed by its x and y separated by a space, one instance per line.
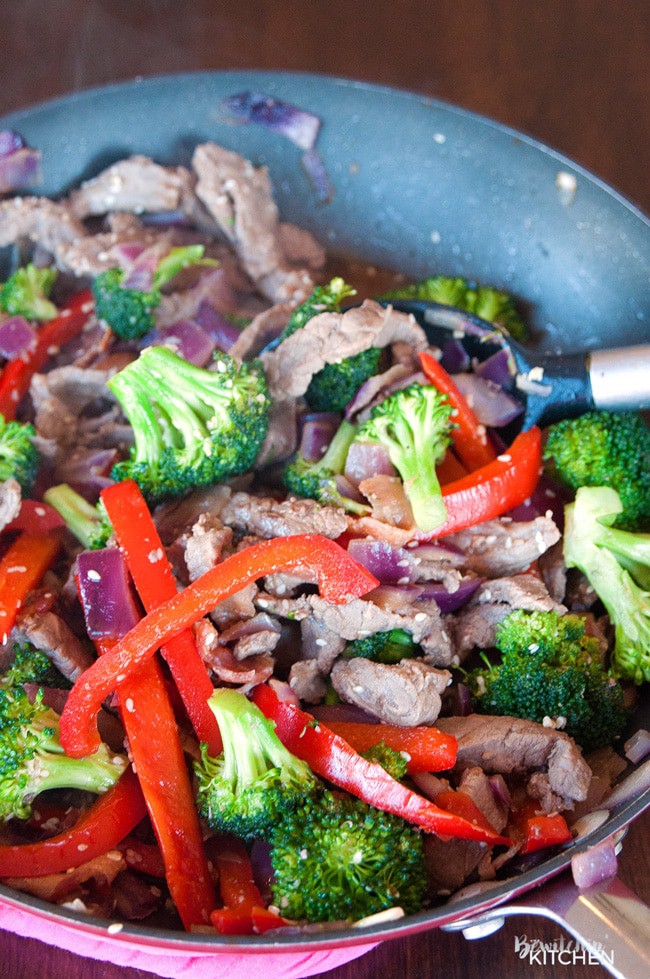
pixel 324 299
pixel 32 759
pixel 604 448
pixel 414 425
pixel 89 524
pixel 317 480
pixel 336 858
pixel 19 457
pixel 129 312
pixel 255 781
pixel 601 552
pixel 192 427
pixel 26 292
pixel 551 669
pixel 384 647
pixel 31 665
pixel 393 761
pixel 490 304
pixel 335 384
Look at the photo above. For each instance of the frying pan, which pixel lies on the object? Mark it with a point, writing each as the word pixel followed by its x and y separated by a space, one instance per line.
pixel 425 188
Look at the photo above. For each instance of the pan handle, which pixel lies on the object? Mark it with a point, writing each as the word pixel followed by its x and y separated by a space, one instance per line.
pixel 608 919
pixel 620 378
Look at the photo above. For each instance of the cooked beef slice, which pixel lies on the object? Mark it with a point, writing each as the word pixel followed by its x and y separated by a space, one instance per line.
pixel 179 516
pixel 293 609
pixel 320 644
pixel 500 547
pixel 328 338
pixel 266 517
pixel 375 390
pixel 136 184
pixel 554 572
pixel 281 438
pixel 239 197
pixel 450 862
pixel 10 500
pixel 474 626
pixel 265 327
pixel 475 783
pixel 74 409
pixel 525 591
pixel 359 618
pixel 556 772
pixel 49 633
pixel 307 682
pixel 45 223
pixel 204 545
pixel 300 248
pixel 407 693
pixel 92 254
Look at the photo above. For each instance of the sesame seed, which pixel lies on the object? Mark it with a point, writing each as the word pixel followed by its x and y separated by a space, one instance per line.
pixel 115 928
pixel 93 575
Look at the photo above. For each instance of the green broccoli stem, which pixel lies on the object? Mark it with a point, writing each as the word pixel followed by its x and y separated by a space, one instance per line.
pixel 81 517
pixel 51 769
pixel 251 747
pixel 178 259
pixel 337 451
pixel 136 404
pixel 628 606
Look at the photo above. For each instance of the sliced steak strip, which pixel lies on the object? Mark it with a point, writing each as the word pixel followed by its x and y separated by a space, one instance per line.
pixel 266 326
pixel 135 184
pixel 266 517
pixel 557 773
pixel 498 548
pixel 239 197
pixel 475 783
pixel 328 338
pixel 10 500
pixel 205 544
pixel 62 399
pixel 360 618
pixel 49 633
pixel 407 693
pixel 307 682
pixel 46 223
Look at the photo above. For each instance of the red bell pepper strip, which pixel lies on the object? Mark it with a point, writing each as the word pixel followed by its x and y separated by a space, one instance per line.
pixel 230 921
pixel 428 749
pixel 152 574
pixel 101 828
pixel 236 884
pixel 332 758
pixel 493 490
pixel 21 569
pixel 338 574
pixel 35 517
pixel 537 830
pixel 143 857
pixel 157 753
pixel 462 804
pixel 17 375
pixel 469 438
pixel 243 912
pixel 450 469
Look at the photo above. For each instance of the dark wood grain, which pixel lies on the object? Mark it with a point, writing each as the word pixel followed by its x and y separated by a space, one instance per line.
pixel 572 73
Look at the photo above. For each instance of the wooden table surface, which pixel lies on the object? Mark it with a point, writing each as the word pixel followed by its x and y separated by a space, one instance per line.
pixel 572 73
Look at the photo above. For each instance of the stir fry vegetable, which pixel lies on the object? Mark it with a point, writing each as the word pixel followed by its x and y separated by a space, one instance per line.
pixel 283 551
